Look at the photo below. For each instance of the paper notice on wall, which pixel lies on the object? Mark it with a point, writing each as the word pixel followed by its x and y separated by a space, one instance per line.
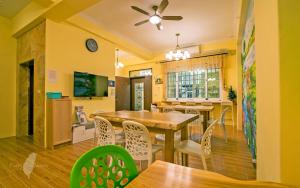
pixel 52 77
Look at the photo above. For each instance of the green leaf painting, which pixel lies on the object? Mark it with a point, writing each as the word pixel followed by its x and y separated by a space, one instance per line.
pixel 249 82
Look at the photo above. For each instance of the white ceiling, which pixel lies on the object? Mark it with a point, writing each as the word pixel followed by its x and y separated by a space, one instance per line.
pixel 9 8
pixel 203 21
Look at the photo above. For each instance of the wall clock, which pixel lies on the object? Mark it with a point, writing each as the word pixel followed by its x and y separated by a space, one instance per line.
pixel 91 45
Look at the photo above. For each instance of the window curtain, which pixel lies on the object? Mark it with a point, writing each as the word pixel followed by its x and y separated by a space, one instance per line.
pixel 215 61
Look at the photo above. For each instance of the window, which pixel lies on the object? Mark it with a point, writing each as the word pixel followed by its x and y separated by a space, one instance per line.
pixel 171 85
pixel 199 83
pixel 138 73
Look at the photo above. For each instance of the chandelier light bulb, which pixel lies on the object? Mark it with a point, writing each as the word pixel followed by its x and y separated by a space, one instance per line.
pixel 178 53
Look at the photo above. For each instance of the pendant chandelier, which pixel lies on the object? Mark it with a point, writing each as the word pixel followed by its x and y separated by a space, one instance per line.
pixel 118 64
pixel 178 53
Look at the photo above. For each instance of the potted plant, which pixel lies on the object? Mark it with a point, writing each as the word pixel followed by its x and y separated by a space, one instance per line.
pixel 231 94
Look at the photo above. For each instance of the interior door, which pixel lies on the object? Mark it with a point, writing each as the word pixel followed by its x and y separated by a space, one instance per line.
pixel 141 93
pixel 122 93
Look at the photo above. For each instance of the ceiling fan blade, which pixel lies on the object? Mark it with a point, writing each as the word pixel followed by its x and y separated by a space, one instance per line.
pixel 159 26
pixel 140 23
pixel 163 5
pixel 172 18
pixel 140 10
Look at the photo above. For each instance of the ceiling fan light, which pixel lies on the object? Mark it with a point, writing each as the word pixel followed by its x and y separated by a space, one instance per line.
pixel 155 19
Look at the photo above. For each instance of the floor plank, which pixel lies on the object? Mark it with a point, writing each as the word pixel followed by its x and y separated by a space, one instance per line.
pixel 52 167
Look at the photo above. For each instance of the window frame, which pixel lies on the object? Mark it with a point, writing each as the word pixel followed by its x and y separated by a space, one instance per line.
pixel 206 87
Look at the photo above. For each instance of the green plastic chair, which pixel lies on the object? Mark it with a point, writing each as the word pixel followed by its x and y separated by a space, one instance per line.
pixel 103 166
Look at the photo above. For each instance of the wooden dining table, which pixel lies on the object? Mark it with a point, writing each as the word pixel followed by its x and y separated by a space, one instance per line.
pixel 204 110
pixel 163 123
pixel 169 175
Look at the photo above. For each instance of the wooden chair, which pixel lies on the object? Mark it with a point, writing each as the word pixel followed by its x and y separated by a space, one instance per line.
pixel 195 123
pixel 167 109
pixel 190 104
pixel 138 142
pixel 175 103
pixel 160 138
pixel 106 134
pixel 202 150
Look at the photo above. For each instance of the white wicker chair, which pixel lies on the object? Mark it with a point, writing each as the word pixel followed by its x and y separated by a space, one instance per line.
pixel 161 137
pixel 119 133
pixel 104 132
pixel 222 122
pixel 138 142
pixel 202 150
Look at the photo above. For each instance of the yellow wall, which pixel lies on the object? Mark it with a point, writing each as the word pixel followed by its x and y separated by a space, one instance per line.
pixel 230 71
pixel 7 79
pixel 66 53
pixel 267 90
pixel 289 30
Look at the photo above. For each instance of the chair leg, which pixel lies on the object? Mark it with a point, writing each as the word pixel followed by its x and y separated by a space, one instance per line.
pixel 225 133
pixel 178 157
pixel 203 162
pixel 232 115
pixel 141 169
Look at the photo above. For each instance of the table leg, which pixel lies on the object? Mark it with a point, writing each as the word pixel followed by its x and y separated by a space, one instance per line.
pixel 184 136
pixel 169 146
pixel 205 119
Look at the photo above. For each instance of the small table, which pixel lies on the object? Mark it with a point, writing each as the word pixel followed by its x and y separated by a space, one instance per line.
pixel 204 110
pixel 168 175
pixel 163 123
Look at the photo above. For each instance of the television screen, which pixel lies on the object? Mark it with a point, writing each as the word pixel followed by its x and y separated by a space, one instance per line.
pixel 89 85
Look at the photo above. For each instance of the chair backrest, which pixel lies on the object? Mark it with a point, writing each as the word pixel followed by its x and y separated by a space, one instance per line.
pixel 207 104
pixel 167 109
pixel 222 118
pixel 191 111
pixel 174 112
pixel 190 104
pixel 154 108
pixel 206 139
pixel 104 131
pixel 144 111
pixel 137 141
pixel 175 103
pixel 103 166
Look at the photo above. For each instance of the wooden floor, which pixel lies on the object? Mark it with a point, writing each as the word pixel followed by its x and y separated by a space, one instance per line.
pixel 52 168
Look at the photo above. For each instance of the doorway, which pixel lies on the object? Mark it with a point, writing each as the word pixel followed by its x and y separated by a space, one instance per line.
pixel 141 93
pixel 26 99
pixel 30 98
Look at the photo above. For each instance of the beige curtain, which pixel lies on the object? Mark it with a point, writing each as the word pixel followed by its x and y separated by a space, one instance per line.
pixel 192 64
pixel 195 63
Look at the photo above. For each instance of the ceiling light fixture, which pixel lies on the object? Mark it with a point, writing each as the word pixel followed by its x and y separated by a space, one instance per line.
pixel 118 64
pixel 155 19
pixel 178 53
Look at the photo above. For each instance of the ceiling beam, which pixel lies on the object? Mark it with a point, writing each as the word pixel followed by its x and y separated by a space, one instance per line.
pixel 59 10
pixel 44 3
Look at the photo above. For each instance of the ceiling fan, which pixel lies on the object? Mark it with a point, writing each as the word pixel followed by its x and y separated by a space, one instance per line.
pixel 156 18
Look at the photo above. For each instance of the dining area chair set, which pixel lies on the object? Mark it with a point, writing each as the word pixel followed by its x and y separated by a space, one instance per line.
pixel 112 162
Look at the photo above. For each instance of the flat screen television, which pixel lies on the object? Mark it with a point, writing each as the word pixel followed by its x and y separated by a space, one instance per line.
pixel 90 85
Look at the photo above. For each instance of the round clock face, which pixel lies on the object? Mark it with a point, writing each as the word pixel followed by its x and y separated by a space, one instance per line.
pixel 91 45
